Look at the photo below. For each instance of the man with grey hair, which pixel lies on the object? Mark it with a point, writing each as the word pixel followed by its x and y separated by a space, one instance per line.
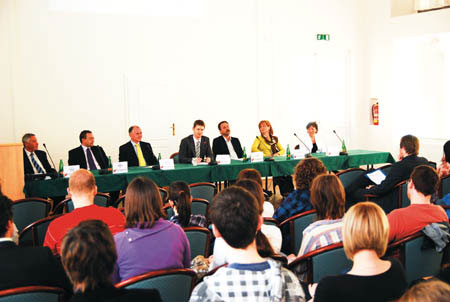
pixel 34 161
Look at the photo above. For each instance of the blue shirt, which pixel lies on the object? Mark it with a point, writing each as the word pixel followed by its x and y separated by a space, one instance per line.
pixel 298 201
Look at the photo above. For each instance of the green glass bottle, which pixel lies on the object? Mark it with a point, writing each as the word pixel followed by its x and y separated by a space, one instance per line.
pixel 159 157
pixel 344 148
pixel 61 167
pixel 244 155
pixel 109 163
pixel 288 153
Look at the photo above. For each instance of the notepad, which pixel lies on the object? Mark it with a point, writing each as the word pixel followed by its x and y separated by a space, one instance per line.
pixel 376 176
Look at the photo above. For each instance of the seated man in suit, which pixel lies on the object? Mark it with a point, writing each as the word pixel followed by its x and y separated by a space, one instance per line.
pixel 137 152
pixel 25 266
pixel 87 155
pixel 34 160
pixel 225 144
pixel 196 145
pixel 400 171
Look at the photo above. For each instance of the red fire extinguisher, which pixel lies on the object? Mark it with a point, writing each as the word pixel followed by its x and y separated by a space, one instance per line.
pixel 375 117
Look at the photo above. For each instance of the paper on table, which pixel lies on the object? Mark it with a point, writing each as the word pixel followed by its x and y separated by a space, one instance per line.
pixel 376 176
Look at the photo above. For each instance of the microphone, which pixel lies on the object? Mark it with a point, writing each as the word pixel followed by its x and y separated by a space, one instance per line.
pixel 309 150
pixel 343 151
pixel 267 158
pixel 54 167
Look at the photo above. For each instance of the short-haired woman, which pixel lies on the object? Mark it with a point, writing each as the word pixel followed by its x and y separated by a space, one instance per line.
pixel 365 233
pixel 181 200
pixel 149 242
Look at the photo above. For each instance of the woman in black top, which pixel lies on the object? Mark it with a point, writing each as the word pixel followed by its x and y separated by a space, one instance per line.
pixel 365 235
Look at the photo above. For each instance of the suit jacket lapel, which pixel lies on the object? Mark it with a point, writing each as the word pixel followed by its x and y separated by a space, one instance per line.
pixel 133 153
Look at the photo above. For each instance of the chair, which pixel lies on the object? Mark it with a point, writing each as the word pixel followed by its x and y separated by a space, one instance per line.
pixel 432 164
pixel 28 210
pixel 199 239
pixel 444 187
pixel 403 200
pixel 120 200
pixel 205 190
pixel 348 176
pixel 326 261
pixel 199 206
pixel 295 226
pixel 101 199
pixel 34 294
pixel 271 221
pixel 66 206
pixel 386 168
pixel 176 158
pixel 396 198
pixel 164 194
pixel 169 211
pixel 34 234
pixel 172 284
pixel 417 260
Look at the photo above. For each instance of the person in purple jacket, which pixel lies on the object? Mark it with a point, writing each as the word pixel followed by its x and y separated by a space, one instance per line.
pixel 149 242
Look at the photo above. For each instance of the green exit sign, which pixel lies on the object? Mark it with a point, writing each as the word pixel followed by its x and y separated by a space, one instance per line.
pixel 324 37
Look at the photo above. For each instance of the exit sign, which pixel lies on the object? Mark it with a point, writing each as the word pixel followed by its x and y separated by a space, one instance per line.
pixel 325 37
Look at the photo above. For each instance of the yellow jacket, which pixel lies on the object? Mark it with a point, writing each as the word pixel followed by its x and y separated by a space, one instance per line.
pixel 260 145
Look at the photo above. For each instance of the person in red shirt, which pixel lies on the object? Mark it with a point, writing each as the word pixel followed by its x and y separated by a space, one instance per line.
pixel 82 190
pixel 422 184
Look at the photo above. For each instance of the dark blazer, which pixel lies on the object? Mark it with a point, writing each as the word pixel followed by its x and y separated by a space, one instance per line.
pixel 77 157
pixel 42 156
pixel 112 294
pixel 25 266
pixel 187 149
pixel 127 153
pixel 220 146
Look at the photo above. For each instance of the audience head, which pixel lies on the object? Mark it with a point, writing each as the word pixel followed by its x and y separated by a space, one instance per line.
pixel 82 186
pixel 135 134
pixel 143 205
pixel 410 144
pixel 312 128
pixel 256 190
pixel 305 172
pixel 224 128
pixel 198 128
pixel 328 197
pixel 447 151
pixel 265 127
pixel 180 195
pixel 88 254
pixel 235 215
pixel 30 142
pixel 365 227
pixel 252 174
pixel 6 217
pixel 87 138
pixel 433 290
pixel 424 180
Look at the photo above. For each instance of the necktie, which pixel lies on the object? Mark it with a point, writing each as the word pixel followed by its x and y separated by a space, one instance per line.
pixel 197 149
pixel 36 165
pixel 140 156
pixel 90 159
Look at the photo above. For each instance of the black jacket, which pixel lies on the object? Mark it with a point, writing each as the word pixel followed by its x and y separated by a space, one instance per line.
pixel 42 156
pixel 128 154
pixel 220 146
pixel 187 149
pixel 77 157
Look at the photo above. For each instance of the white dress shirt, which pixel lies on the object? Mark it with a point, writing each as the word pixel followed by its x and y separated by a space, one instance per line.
pixel 37 160
pixel 233 153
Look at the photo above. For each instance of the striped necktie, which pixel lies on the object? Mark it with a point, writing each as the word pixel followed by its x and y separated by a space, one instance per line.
pixel 140 156
pixel 36 165
pixel 197 149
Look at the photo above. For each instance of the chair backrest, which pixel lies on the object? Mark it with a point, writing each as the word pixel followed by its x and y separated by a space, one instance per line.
pixel 204 190
pixel 386 168
pixel 28 210
pixel 172 284
pixel 34 234
pixel 120 201
pixel 164 194
pixel 199 239
pixel 348 176
pixel 199 206
pixel 326 261
pixel 295 226
pixel 33 294
pixel 169 211
pixel 271 221
pixel 176 157
pixel 444 188
pixel 403 200
pixel 101 199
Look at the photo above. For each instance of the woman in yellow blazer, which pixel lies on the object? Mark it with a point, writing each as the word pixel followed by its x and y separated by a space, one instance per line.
pixel 266 142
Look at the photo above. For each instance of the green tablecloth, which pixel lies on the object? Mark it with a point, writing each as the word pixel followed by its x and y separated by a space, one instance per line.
pixel 279 167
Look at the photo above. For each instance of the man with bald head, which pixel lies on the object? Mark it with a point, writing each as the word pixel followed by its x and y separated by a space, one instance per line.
pixel 82 190
pixel 136 152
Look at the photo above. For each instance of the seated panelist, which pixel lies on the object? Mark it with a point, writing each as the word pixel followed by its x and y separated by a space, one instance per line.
pixel 136 152
pixel 195 145
pixel 34 161
pixel 225 144
pixel 87 155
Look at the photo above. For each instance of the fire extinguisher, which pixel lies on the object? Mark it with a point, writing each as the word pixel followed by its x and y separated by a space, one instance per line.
pixel 375 117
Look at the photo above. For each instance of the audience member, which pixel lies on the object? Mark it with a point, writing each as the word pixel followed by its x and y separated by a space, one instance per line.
pixel 365 233
pixel 82 190
pixel 236 218
pixel 298 201
pixel 428 291
pixel 25 266
pixel 444 167
pixel 254 174
pixel 181 200
pixel 424 181
pixel 400 171
pixel 149 242
pixel 88 254
pixel 195 146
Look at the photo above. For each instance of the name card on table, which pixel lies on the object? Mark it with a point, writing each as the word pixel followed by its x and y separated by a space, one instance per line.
pixel 223 159
pixel 256 157
pixel 120 167
pixel 68 170
pixel 297 154
pixel 166 164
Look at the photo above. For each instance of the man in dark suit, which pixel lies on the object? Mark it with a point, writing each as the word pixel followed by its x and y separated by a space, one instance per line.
pixel 34 161
pixel 400 171
pixel 137 152
pixel 87 155
pixel 196 145
pixel 225 144
pixel 25 266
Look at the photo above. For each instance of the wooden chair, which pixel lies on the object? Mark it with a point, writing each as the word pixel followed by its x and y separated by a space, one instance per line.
pixel 398 196
pixel 34 234
pixel 28 210
pixel 386 168
pixel 199 239
pixel 120 201
pixel 348 176
pixel 444 187
pixel 164 195
pixel 326 261
pixel 34 294
pixel 66 206
pixel 176 158
pixel 200 206
pixel 172 284
pixel 294 226
pixel 271 221
pixel 205 190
